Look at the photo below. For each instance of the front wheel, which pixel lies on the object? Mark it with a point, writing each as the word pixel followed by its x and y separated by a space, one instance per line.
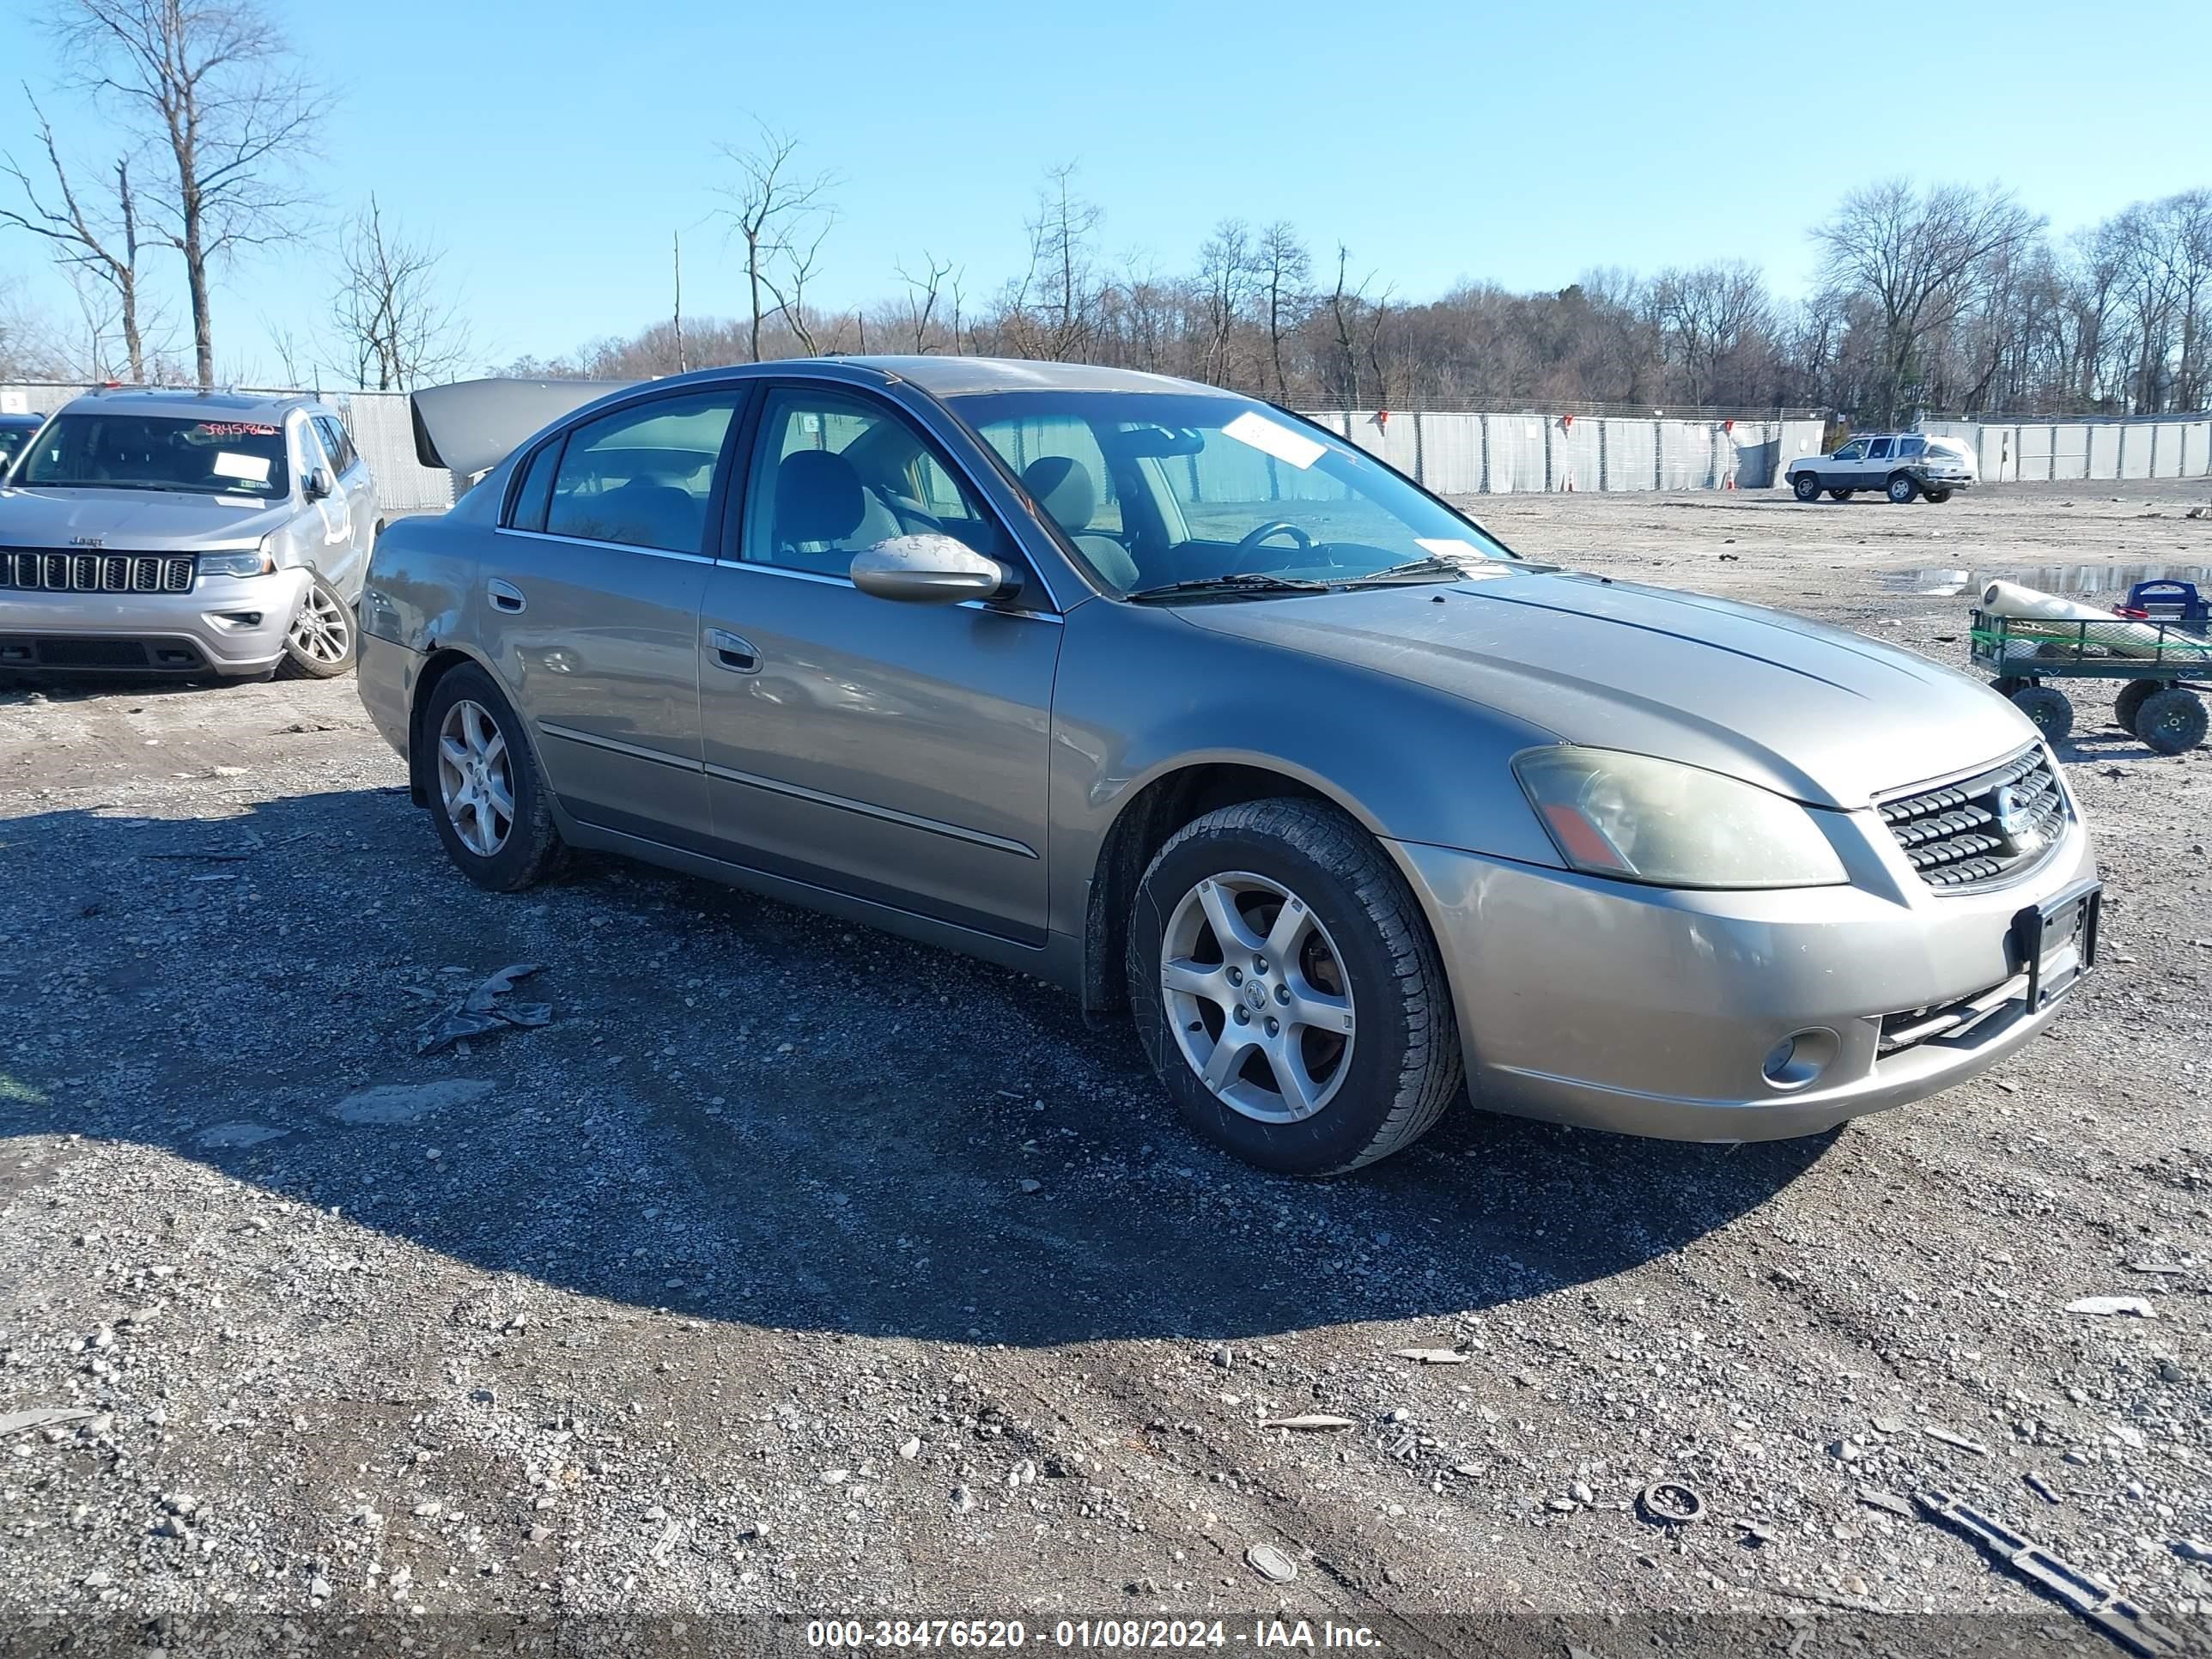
pixel 1902 489
pixel 1806 486
pixel 1287 992
pixel 2047 706
pixel 321 641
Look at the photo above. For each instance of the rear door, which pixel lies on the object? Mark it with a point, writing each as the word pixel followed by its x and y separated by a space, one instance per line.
pixel 897 752
pixel 1874 471
pixel 589 610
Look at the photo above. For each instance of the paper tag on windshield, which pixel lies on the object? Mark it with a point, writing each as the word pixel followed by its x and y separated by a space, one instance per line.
pixel 247 469
pixel 1284 445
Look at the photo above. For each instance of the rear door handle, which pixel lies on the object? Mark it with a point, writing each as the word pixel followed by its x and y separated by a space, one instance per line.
pixel 505 596
pixel 733 651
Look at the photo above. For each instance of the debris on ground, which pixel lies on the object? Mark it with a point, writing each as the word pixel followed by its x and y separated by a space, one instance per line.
pixel 1431 1356
pixel 1675 1503
pixel 42 1417
pixel 1310 1420
pixel 2132 1306
pixel 1959 1440
pixel 480 1012
pixel 2116 1615
pixel 1271 1563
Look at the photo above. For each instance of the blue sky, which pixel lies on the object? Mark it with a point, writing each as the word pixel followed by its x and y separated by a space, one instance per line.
pixel 552 147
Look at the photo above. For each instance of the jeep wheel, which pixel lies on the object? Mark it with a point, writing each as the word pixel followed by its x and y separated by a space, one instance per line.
pixel 1287 992
pixel 320 644
pixel 1939 496
pixel 1839 494
pixel 1902 489
pixel 1806 486
pixel 485 794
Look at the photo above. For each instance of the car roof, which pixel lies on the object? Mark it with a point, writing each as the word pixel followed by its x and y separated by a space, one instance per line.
pixel 183 403
pixel 953 377
pixel 11 418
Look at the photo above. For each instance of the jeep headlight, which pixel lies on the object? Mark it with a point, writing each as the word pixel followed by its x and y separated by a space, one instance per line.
pixel 1637 819
pixel 248 562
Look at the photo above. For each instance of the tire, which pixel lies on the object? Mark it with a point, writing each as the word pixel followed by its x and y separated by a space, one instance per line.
pixel 1839 494
pixel 1902 489
pixel 1362 953
pixel 503 851
pixel 2172 720
pixel 2008 685
pixel 324 637
pixel 1806 486
pixel 1939 496
pixel 2047 706
pixel 2131 698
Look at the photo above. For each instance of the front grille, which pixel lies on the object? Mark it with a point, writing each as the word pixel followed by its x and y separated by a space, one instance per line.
pixel 1981 828
pixel 25 571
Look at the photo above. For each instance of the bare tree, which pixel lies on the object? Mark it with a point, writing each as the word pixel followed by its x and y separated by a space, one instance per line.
pixel 1052 309
pixel 398 328
pixel 922 293
pixel 1227 274
pixel 1283 266
pixel 787 276
pixel 1709 317
pixel 214 85
pixel 781 218
pixel 1920 257
pixel 100 243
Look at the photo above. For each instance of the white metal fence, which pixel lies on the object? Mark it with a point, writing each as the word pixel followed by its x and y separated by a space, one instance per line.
pixel 1459 454
pixel 2061 452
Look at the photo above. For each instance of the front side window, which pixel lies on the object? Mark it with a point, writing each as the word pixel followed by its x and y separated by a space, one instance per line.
pixel 101 450
pixel 834 474
pixel 1853 451
pixel 642 476
pixel 1153 489
pixel 12 439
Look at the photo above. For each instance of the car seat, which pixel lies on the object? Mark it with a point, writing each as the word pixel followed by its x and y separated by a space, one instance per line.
pixel 1063 486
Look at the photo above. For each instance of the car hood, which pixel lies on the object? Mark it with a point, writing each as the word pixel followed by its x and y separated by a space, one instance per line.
pixel 1821 715
pixel 133 520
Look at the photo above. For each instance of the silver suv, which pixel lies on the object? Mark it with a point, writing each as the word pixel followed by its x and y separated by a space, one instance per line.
pixel 1902 466
pixel 193 533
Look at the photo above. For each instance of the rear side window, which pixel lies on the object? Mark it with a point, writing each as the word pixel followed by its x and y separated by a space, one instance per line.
pixel 641 476
pixel 537 487
pixel 1910 447
pixel 1880 450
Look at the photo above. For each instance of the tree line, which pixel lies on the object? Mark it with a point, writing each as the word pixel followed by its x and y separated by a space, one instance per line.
pixel 1942 298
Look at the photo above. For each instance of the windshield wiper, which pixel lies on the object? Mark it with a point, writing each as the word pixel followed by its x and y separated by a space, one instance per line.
pixel 1428 565
pixel 1245 581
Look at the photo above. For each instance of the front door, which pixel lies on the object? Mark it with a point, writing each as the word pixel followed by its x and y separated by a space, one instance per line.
pixel 1841 469
pixel 897 752
pixel 589 610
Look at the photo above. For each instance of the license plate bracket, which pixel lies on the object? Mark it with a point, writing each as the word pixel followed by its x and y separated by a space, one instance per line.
pixel 2056 942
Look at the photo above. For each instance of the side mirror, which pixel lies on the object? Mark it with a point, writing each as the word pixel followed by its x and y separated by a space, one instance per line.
pixel 317 485
pixel 930 569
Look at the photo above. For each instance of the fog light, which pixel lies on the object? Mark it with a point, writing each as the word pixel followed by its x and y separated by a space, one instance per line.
pixel 1799 1058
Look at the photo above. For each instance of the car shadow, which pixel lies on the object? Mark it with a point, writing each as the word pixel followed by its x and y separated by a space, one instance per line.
pixel 739 1111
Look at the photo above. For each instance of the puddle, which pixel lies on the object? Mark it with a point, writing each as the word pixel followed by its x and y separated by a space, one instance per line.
pixel 2049 578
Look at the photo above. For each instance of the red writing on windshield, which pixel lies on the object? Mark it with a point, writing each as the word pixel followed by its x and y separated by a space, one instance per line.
pixel 232 429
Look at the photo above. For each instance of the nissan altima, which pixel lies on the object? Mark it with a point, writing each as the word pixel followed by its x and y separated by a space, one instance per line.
pixel 1192 707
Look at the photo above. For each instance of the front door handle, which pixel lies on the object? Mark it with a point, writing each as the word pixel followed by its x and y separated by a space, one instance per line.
pixel 733 651
pixel 505 596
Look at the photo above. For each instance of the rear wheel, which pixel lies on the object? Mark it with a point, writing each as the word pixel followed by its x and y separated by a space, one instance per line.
pixel 1839 494
pixel 1807 487
pixel 2131 698
pixel 1902 489
pixel 2047 706
pixel 321 641
pixel 1939 496
pixel 486 797
pixel 1287 992
pixel 2172 720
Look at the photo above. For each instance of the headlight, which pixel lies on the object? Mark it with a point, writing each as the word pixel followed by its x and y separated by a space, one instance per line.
pixel 255 561
pixel 1641 819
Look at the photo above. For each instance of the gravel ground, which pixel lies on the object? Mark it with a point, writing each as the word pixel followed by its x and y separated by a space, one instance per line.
pixel 792 1267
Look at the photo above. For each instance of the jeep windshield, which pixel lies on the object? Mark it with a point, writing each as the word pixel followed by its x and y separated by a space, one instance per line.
pixel 100 450
pixel 1164 495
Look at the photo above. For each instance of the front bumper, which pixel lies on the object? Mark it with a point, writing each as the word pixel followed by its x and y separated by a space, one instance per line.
pixel 1652 1011
pixel 225 625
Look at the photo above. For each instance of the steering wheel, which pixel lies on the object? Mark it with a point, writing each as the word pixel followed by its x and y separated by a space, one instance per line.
pixel 1250 541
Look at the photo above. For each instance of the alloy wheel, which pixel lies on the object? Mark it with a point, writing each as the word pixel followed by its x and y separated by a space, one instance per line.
pixel 322 630
pixel 476 778
pixel 1258 997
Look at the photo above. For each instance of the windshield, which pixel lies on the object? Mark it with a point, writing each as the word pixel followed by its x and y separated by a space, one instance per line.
pixel 1156 490
pixel 13 437
pixel 106 450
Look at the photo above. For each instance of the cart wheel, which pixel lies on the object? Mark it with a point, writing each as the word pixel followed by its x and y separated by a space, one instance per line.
pixel 2131 699
pixel 2047 706
pixel 2009 686
pixel 2171 720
